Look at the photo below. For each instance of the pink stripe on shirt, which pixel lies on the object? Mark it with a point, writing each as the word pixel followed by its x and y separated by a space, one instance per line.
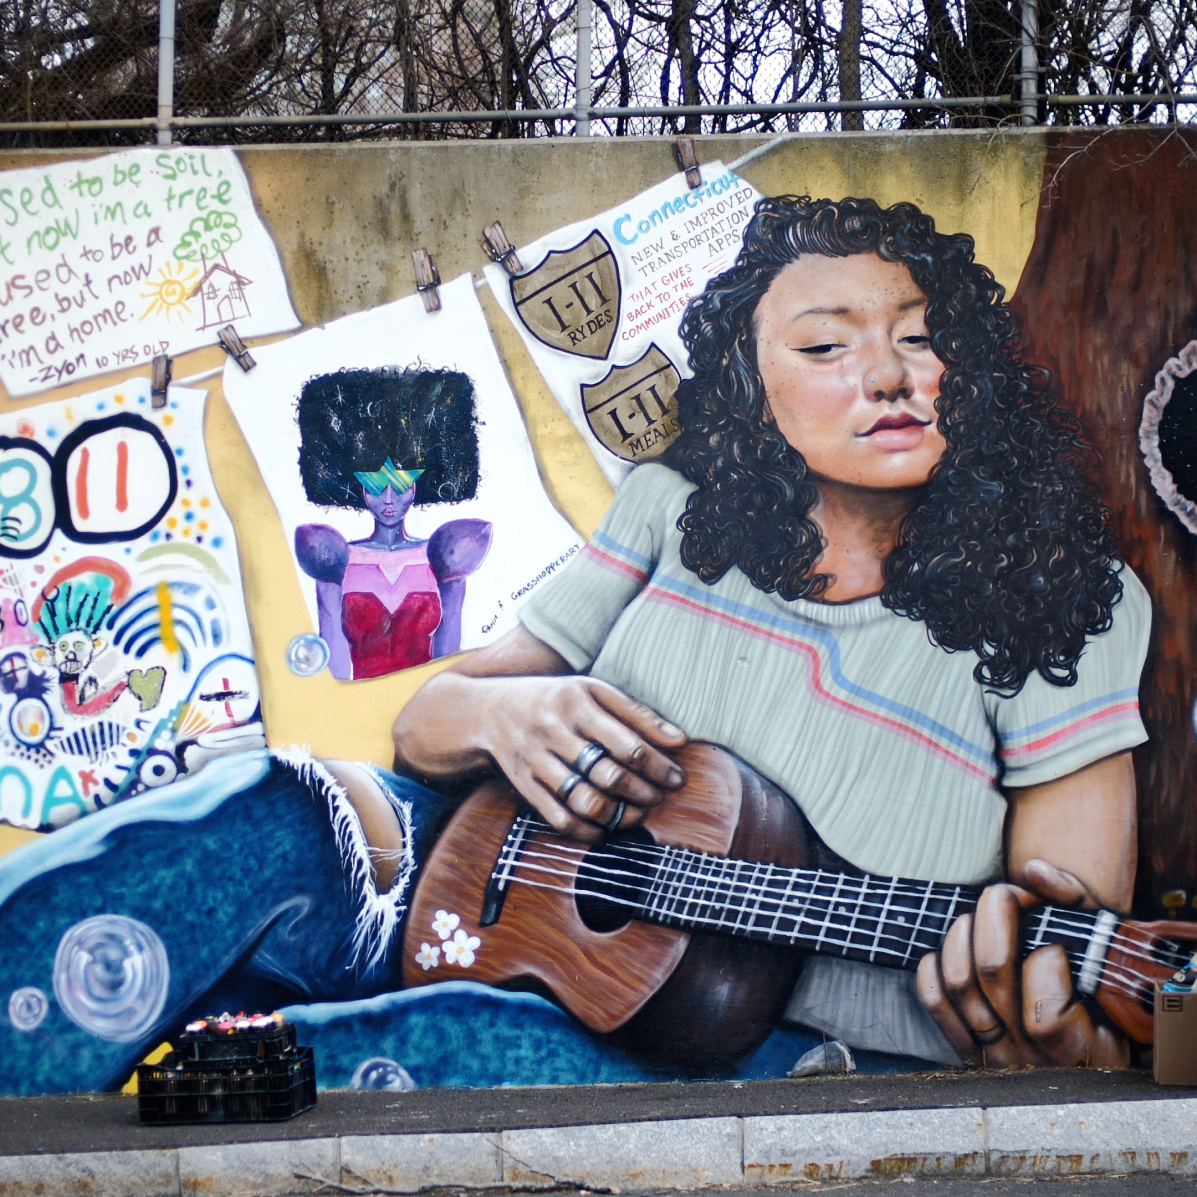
pixel 1120 710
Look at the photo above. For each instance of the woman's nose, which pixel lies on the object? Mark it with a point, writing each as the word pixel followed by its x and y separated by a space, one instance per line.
pixel 886 378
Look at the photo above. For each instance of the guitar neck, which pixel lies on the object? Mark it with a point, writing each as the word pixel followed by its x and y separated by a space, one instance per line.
pixel 885 921
pixel 889 921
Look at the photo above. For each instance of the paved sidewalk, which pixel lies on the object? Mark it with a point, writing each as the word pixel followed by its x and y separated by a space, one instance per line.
pixel 623 1137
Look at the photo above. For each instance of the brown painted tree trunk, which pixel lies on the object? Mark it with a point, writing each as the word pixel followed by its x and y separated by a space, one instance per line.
pixel 1108 294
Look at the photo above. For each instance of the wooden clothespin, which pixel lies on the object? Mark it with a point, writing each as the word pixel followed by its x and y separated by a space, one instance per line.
pixel 234 346
pixel 683 151
pixel 427 279
pixel 160 376
pixel 499 249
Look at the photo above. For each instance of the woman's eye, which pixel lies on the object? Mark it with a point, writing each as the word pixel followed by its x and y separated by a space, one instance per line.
pixel 918 340
pixel 817 349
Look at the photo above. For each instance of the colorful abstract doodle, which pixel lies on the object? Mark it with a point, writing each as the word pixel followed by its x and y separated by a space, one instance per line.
pixel 125 657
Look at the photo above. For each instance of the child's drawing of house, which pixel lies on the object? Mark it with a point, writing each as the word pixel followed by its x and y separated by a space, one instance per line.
pixel 222 292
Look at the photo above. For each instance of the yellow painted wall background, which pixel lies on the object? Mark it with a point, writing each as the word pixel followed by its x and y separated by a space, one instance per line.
pixel 345 220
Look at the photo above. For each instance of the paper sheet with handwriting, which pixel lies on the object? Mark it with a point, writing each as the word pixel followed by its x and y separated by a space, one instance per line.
pixel 599 303
pixel 107 262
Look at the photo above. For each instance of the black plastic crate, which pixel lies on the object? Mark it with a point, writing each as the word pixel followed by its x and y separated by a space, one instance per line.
pixel 246 1045
pixel 181 1090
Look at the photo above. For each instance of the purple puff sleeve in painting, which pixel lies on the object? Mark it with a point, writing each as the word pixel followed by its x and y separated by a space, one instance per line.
pixel 455 550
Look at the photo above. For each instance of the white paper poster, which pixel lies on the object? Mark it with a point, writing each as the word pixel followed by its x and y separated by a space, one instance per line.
pixel 599 302
pixel 107 262
pixel 395 453
pixel 125 654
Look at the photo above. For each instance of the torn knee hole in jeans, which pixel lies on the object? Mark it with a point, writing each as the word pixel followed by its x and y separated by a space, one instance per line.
pixel 380 911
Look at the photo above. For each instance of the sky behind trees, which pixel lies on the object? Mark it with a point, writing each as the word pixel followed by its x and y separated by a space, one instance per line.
pixel 97 59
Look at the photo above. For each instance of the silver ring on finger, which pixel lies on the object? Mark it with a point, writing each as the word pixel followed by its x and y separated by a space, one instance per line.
pixel 990 1036
pixel 588 758
pixel 612 824
pixel 568 786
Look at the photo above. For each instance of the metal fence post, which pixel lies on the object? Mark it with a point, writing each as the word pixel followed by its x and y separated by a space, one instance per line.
pixel 583 78
pixel 166 69
pixel 1028 74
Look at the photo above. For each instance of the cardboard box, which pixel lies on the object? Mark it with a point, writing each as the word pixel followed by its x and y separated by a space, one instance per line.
pixel 1175 1057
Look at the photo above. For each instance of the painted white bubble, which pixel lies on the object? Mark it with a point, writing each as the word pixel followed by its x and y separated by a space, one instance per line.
pixel 27 1008
pixel 111 976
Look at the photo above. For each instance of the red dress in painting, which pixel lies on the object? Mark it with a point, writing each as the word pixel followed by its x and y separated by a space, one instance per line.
pixel 390 608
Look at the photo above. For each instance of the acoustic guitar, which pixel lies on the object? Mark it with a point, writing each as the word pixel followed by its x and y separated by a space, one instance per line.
pixel 677 938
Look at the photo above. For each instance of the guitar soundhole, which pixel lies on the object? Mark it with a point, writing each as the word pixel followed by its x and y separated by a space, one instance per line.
pixel 614 879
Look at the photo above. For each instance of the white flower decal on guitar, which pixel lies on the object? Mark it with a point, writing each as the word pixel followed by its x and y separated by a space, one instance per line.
pixel 460 949
pixel 445 923
pixel 429 956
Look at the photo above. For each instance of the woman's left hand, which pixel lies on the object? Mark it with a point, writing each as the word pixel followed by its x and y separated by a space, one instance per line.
pixel 1001 1011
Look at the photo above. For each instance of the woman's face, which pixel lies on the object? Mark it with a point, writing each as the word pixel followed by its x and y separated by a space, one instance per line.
pixel 849 374
pixel 390 507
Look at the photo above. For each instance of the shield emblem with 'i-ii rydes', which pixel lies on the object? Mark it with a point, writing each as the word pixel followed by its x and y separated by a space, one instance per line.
pixel 633 411
pixel 571 300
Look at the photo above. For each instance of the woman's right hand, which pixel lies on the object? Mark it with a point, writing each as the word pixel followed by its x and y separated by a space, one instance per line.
pixel 537 728
pixel 534 728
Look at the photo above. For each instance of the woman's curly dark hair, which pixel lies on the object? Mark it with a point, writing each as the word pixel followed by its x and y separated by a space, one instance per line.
pixel 1008 552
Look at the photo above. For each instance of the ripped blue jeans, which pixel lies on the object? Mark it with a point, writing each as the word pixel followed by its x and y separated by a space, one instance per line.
pixel 249 887
pixel 246 886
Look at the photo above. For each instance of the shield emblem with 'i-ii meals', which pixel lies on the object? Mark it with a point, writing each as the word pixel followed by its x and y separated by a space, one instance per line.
pixel 633 411
pixel 571 300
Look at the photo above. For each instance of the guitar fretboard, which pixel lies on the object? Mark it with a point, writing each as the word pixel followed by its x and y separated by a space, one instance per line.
pixel 881 920
pixel 890 921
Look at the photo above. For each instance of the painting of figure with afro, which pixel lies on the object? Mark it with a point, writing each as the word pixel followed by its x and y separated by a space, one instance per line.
pixel 380 442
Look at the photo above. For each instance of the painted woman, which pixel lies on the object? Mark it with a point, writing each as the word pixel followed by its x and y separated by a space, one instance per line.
pixel 873 567
pixel 390 600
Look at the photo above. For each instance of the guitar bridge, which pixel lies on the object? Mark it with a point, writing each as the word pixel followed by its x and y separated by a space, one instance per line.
pixel 495 893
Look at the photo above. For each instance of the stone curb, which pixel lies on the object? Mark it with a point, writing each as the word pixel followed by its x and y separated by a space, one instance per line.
pixel 1023 1141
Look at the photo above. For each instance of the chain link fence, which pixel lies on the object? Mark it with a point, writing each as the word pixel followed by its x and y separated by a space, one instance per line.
pixel 300 70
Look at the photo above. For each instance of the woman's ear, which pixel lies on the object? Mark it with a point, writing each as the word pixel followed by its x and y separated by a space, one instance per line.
pixel 767 416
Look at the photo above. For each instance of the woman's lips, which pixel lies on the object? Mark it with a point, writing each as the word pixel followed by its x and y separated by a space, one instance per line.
pixel 896 430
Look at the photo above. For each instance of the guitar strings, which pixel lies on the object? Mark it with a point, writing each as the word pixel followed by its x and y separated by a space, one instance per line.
pixel 1132 948
pixel 1076 958
pixel 701 920
pixel 722 921
pixel 846 884
pixel 846 887
pixel 1133 990
pixel 763 910
pixel 711 889
pixel 846 881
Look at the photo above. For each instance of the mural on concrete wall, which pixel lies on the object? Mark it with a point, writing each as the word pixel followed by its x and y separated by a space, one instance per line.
pixel 125 657
pixel 840 698
pixel 111 261
pixel 394 450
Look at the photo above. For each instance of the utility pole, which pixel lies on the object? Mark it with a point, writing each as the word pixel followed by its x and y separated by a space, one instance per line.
pixel 1028 75
pixel 166 69
pixel 583 80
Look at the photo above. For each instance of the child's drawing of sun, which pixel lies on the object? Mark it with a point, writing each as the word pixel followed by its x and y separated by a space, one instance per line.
pixel 169 291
